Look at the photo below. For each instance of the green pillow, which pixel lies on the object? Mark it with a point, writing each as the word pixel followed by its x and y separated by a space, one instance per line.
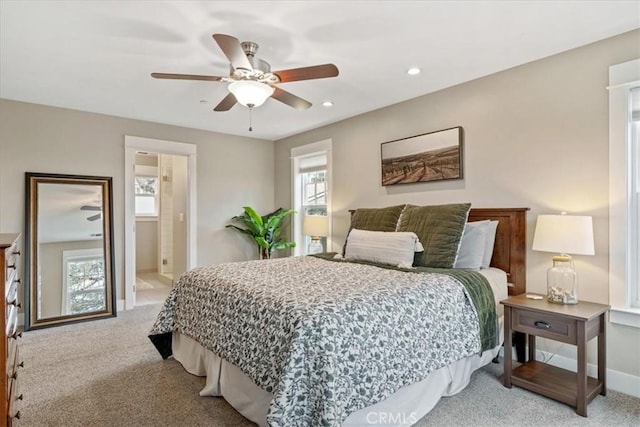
pixel 377 219
pixel 439 229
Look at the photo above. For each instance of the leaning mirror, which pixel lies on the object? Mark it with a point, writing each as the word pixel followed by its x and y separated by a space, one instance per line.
pixel 69 249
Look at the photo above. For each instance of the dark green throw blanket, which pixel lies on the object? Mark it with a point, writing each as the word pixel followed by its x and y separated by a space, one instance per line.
pixel 476 285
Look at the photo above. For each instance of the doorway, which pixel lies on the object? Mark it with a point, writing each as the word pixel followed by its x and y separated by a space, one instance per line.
pixel 160 211
pixel 160 203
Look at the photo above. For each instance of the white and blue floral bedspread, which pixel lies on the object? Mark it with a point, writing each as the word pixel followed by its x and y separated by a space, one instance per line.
pixel 326 338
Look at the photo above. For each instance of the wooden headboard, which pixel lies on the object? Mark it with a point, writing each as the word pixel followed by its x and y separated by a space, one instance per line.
pixel 510 249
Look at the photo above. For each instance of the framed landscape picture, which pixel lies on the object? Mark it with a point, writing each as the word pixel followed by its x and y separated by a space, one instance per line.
pixel 433 156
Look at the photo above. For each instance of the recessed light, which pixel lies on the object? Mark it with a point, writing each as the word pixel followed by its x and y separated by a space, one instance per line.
pixel 327 104
pixel 413 71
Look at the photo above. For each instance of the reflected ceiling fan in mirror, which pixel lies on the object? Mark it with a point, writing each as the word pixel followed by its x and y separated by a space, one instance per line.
pixel 251 80
pixel 92 208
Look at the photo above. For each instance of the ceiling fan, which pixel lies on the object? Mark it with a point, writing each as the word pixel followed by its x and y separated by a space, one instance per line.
pixel 92 208
pixel 251 79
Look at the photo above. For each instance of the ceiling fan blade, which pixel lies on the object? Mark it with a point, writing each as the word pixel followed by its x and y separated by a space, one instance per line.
pixel 233 51
pixel 94 217
pixel 290 99
pixel 185 77
pixel 307 73
pixel 226 104
pixel 90 208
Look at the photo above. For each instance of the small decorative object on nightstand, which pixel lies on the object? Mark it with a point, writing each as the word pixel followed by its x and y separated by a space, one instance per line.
pixel 571 324
pixel 564 234
pixel 316 226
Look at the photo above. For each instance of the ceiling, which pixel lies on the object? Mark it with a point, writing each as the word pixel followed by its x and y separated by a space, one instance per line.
pixel 97 56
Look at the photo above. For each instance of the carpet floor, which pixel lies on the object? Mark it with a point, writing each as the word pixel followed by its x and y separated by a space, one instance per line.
pixel 107 373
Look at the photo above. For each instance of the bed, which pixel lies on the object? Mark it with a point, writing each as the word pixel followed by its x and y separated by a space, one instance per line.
pixel 355 342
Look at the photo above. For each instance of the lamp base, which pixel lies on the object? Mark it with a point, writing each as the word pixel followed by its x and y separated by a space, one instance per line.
pixel 558 295
pixel 315 247
pixel 562 281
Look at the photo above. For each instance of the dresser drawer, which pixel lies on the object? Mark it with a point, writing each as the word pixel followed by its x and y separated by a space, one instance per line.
pixel 12 357
pixel 12 320
pixel 544 325
pixel 12 258
pixel 11 295
pixel 14 397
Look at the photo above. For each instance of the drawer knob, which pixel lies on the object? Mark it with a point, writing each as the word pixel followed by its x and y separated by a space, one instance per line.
pixel 16 335
pixel 14 376
pixel 21 364
pixel 541 324
pixel 17 415
pixel 20 397
pixel 17 280
pixel 17 252
pixel 16 303
pixel 11 266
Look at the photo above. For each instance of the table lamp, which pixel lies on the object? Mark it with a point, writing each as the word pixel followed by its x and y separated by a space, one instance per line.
pixel 315 226
pixel 564 235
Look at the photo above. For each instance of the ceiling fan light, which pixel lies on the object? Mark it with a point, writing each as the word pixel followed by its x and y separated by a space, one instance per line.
pixel 250 93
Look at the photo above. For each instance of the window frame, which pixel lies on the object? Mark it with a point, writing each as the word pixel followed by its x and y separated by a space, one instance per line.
pixel 624 249
pixel 297 154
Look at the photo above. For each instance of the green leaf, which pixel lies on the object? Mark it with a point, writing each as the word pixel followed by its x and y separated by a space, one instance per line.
pixel 264 230
pixel 262 242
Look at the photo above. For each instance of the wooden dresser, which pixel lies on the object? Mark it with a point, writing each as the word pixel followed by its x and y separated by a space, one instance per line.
pixel 9 356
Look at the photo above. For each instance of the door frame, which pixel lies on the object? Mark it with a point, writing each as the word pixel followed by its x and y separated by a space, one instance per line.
pixel 132 144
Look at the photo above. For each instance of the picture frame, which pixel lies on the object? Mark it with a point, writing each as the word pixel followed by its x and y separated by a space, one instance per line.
pixel 428 157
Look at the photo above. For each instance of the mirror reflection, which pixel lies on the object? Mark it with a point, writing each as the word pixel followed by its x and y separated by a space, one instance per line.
pixel 69 249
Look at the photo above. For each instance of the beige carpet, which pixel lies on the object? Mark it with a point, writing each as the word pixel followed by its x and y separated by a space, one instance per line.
pixel 107 373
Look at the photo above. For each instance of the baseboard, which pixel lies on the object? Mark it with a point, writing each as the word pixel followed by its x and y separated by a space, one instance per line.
pixel 616 380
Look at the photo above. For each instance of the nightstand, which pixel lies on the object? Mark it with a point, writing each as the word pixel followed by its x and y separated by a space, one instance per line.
pixel 572 324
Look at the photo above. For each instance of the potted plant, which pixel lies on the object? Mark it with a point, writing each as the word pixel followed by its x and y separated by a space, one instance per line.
pixel 264 230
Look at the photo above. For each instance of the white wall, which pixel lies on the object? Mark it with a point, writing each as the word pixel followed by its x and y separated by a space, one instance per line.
pixel 232 171
pixel 535 136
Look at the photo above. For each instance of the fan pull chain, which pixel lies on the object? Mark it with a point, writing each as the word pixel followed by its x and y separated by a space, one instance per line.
pixel 250 116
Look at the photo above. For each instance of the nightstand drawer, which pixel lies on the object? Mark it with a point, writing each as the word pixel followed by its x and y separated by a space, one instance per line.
pixel 544 325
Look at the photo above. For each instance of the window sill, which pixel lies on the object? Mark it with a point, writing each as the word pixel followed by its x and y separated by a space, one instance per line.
pixel 625 316
pixel 146 218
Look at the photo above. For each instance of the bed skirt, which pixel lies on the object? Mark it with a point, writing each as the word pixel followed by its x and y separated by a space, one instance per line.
pixel 403 408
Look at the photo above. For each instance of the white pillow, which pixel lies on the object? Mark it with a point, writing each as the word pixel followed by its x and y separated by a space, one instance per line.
pixel 384 247
pixel 490 240
pixel 472 245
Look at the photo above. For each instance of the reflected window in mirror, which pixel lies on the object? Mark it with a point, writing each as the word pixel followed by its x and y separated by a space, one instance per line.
pixel 83 288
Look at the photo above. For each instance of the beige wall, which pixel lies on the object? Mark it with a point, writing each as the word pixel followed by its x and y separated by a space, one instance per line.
pixel 535 136
pixel 146 246
pixel 231 171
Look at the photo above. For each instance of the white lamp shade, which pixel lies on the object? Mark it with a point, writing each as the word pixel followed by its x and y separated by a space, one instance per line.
pixel 315 225
pixel 565 234
pixel 250 93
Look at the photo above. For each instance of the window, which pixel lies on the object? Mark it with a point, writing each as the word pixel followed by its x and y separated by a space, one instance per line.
pixel 146 195
pixel 314 192
pixel 83 287
pixel 310 190
pixel 624 192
